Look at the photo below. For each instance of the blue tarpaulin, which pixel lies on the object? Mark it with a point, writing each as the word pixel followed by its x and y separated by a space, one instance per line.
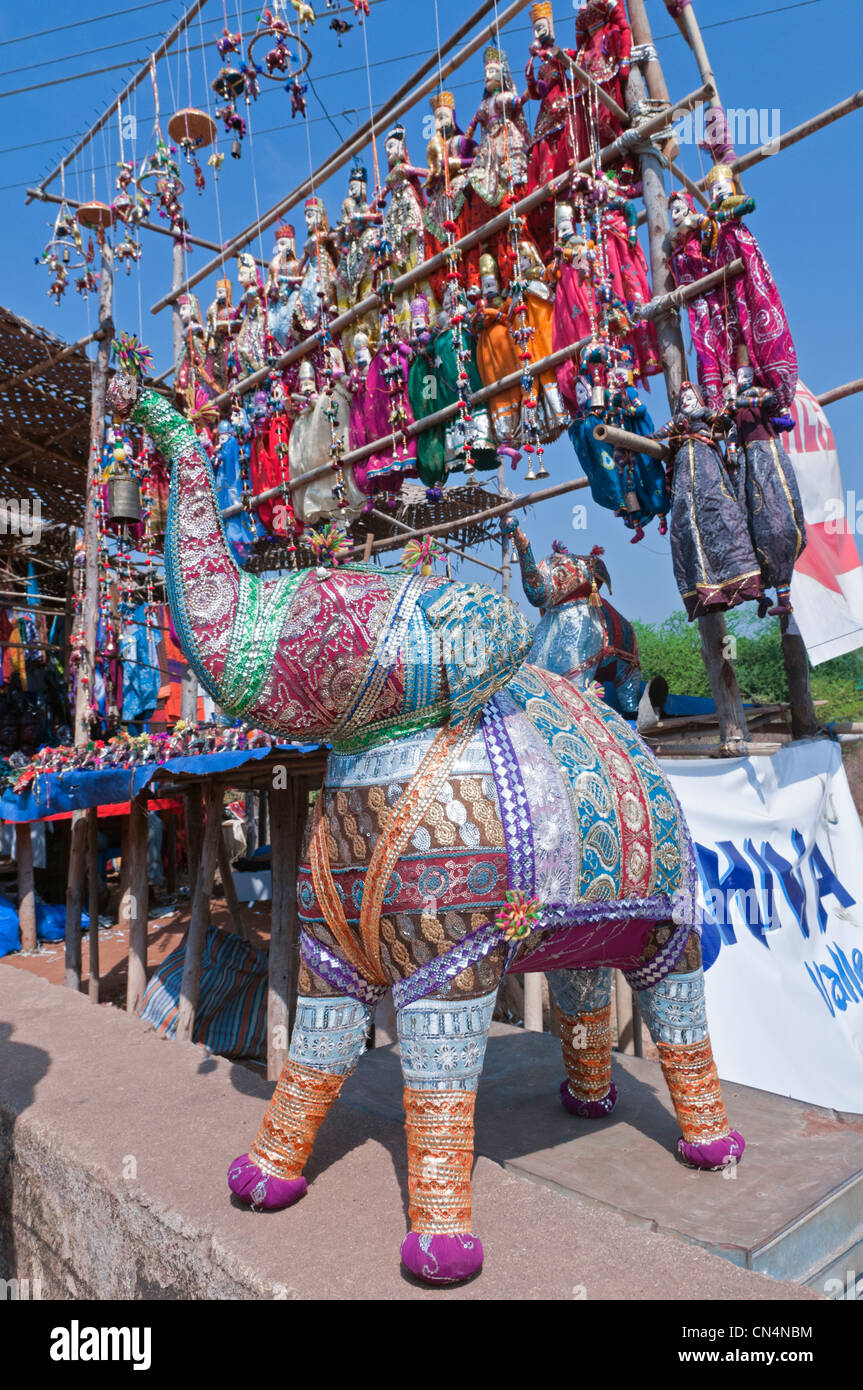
pixel 78 790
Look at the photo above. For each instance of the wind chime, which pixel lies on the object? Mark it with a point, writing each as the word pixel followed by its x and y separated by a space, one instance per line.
pixel 159 174
pixel 64 252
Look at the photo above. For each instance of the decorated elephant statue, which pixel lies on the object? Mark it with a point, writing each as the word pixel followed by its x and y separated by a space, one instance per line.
pixel 478 815
pixel 580 635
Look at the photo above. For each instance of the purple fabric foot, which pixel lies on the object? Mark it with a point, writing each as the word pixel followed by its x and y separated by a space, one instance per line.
pixel 247 1182
pixel 721 1153
pixel 442 1259
pixel 588 1109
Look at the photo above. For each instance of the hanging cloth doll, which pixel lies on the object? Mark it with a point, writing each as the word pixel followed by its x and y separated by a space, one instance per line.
pixel 497 178
pixel 497 357
pixel 754 315
pixel 598 461
pixel 715 566
pixel 283 281
pixel 317 270
pixel 268 459
pixel 242 531
pixel 574 314
pixel 403 221
pixel 643 482
pixel 553 144
pixel 251 315
pixel 449 155
pixel 358 234
pixel 433 384
pixel 603 46
pixel 322 420
pixel 540 317
pixel 627 272
pixel 689 261
pixel 194 377
pixel 370 410
pixel 767 487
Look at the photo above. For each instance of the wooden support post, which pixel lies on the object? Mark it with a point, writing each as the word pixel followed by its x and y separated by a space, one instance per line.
pixel 226 874
pixel 124 909
pixel 194 833
pixel 190 987
pixel 74 894
pixel 26 887
pixel 653 74
pixel 288 808
pixel 714 636
pixel 170 825
pixel 804 720
pixel 263 816
pixel 139 893
pixel 93 902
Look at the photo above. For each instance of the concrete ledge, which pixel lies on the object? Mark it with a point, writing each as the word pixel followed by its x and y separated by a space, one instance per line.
pixel 114 1146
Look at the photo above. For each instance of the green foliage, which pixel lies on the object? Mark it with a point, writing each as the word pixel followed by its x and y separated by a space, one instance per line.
pixel 673 649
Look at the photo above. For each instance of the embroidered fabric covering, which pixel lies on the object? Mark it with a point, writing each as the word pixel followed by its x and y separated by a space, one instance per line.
pixel 552 794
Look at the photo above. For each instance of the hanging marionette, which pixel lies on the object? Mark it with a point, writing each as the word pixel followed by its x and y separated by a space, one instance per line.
pixel 552 416
pixel 357 234
pixel 603 41
pixel 251 315
pixel 754 315
pixel 688 261
pixel 316 293
pixel 283 280
pixel 442 354
pixel 319 436
pixel 222 329
pixel 624 283
pixel 497 178
pixel 497 356
pixel 403 218
pixel 715 565
pixel 449 155
pixel 571 270
pixel 767 485
pixel 553 144
pixel 643 486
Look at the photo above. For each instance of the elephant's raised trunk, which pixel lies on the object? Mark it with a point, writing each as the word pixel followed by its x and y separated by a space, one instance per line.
pixel 535 585
pixel 202 576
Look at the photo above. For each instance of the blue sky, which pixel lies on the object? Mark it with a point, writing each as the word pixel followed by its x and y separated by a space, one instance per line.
pixel 796 59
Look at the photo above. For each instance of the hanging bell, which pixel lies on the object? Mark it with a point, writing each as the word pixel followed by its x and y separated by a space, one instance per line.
pixel 530 476
pixel 66 256
pixel 236 149
pixel 124 498
pixel 542 471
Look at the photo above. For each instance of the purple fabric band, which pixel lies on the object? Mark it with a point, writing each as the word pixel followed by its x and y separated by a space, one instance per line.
pixel 337 972
pixel 654 971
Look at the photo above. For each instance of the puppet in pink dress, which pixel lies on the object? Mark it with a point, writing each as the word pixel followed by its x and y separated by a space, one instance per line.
pixel 378 387
pixel 626 274
pixel 575 312
pixel 553 144
pixel 603 41
pixel 688 262
pixel 754 314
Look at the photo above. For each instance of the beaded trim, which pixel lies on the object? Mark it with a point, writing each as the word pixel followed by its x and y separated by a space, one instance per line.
pixel 439 1126
pixel 586 1040
pixel 654 971
pixel 512 798
pixel 299 1106
pixel 338 972
pixel 690 1072
pixel 437 975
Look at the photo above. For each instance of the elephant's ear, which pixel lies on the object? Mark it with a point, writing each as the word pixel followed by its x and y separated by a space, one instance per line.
pixel 483 639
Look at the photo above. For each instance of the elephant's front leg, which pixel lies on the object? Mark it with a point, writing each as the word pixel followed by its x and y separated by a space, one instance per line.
pixel 675 1014
pixel 442 1042
pixel 583 999
pixel 328 1039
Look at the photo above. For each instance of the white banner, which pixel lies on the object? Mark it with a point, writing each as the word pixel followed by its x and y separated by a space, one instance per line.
pixel 827 586
pixel 780 850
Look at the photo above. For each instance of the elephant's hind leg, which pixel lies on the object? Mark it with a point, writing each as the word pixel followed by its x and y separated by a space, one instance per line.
pixel 442 1045
pixel 327 1041
pixel 583 999
pixel 676 1017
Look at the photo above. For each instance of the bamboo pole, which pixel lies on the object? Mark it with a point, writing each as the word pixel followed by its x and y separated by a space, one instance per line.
pixel 838 393
pixel 190 988
pixel 139 890
pixel 170 38
pixel 689 28
pixel 653 75
pixel 408 95
pixel 636 443
pixel 793 136
pixel 93 903
pixel 453 550
pixel 26 886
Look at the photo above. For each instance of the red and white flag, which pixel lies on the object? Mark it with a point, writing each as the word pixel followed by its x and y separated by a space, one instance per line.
pixel 827 587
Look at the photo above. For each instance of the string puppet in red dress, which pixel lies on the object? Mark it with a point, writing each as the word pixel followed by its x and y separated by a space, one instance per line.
pixel 603 45
pixel 498 176
pixel 449 155
pixel 553 144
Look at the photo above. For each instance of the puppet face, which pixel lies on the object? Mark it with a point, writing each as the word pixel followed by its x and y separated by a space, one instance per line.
pixel 582 392
pixel 443 119
pixel 395 148
pixel 745 377
pixel 419 322
pixel 489 285
pixel 722 187
pixel 679 211
pixel 187 312
pixel 312 218
pixel 564 225
pixel 246 273
pixel 689 401
pixel 493 77
pixel 284 247
pixel 357 189
pixel 362 350
pixel 542 32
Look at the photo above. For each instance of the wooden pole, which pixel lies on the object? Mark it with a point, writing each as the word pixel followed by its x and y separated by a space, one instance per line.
pixel 532 1002
pixel 93 902
pixel 39 368
pixel 838 393
pixel 804 720
pixel 226 874
pixel 715 644
pixel 653 74
pixel 628 1029
pixel 171 852
pixel 452 549
pixel 74 893
pixel 288 805
pixel 406 97
pixel 688 26
pixel 26 886
pixel 797 133
pixel 190 987
pixel 139 892
pixel 194 833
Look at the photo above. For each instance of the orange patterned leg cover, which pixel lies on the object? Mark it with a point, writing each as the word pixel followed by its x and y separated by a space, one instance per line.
pixel 690 1073
pixel 586 1039
pixel 439 1128
pixel 296 1112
